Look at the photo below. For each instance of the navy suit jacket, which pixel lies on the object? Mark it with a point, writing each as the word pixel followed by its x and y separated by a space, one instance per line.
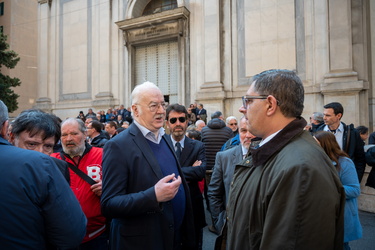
pixel 38 209
pixel 139 220
pixel 194 150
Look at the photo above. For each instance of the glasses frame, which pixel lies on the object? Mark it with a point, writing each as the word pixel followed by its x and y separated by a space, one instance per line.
pixel 177 118
pixel 247 98
pixel 158 104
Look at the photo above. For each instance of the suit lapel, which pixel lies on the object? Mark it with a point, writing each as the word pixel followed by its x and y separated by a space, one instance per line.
pixel 147 152
pixel 186 152
pixel 237 154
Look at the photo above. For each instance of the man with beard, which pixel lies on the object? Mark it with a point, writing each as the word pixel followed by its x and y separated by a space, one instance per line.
pixel 192 158
pixel 144 191
pixel 222 175
pixel 85 166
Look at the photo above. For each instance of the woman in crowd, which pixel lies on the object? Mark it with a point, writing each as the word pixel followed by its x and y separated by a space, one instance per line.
pixel 349 179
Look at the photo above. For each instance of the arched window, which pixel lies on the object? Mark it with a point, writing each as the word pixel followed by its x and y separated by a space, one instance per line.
pixel 156 6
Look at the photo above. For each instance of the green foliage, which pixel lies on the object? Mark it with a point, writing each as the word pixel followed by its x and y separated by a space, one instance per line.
pixel 9 59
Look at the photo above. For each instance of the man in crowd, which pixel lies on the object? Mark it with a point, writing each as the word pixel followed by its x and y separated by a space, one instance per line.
pixel 201 113
pixel 90 114
pixel 316 120
pixel 286 194
pixel 232 123
pixel 200 125
pixel 213 136
pixel 119 121
pixel 85 180
pixel 94 134
pixel 125 114
pixel 347 136
pixel 192 158
pixel 146 194
pixel 111 129
pixel 39 131
pixel 222 175
pixel 38 209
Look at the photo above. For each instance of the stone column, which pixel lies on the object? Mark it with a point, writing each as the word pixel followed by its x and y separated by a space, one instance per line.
pixel 212 92
pixel 102 85
pixel 340 48
pixel 212 42
pixel 43 101
pixel 341 83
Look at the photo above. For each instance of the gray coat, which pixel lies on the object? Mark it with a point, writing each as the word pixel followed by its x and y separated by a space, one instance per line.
pixel 222 176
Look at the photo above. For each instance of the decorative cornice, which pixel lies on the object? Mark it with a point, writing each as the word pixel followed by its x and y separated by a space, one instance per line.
pixel 149 20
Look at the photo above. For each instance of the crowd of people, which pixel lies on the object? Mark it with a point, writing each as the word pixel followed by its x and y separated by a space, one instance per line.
pixel 137 178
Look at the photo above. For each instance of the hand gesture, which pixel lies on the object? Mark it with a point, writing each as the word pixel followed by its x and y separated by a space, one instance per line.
pixel 167 188
pixel 197 163
pixel 97 188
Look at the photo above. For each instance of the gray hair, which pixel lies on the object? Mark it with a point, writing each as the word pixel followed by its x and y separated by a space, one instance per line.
pixel 81 124
pixel 318 116
pixel 139 89
pixel 229 118
pixel 217 114
pixel 285 86
pixel 3 114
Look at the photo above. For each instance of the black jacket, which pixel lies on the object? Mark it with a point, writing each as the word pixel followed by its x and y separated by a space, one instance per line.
pixel 353 147
pixel 99 141
pixel 214 135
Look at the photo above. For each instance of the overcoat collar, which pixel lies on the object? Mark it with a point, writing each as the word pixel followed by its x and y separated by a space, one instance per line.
pixel 262 154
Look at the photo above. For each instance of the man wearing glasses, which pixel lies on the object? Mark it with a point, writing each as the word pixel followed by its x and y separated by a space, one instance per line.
pixel 286 194
pixel 144 191
pixel 192 158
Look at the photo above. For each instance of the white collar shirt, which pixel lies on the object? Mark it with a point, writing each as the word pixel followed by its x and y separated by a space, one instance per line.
pixel 339 134
pixel 150 135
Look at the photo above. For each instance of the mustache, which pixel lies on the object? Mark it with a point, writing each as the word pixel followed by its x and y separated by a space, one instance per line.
pixel 71 143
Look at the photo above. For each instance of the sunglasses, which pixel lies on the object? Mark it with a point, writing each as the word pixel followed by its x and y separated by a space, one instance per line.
pixel 174 120
pixel 231 124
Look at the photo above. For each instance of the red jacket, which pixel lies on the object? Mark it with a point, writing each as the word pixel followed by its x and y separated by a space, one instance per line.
pixel 91 164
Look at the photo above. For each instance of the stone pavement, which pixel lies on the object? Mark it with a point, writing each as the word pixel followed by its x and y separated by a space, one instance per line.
pixel 366 243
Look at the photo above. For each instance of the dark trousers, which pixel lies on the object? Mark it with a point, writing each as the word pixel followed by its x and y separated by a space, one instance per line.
pixel 99 243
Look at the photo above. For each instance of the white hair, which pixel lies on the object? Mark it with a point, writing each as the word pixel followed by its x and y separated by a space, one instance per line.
pixel 230 118
pixel 199 122
pixel 139 89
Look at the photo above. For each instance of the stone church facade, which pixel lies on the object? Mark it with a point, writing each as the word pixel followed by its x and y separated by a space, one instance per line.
pixel 91 53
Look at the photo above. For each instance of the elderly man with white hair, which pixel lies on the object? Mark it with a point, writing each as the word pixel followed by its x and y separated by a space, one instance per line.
pixel 232 123
pixel 144 190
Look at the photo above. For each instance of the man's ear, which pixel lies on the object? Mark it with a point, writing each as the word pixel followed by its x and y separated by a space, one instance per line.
pixel 135 110
pixel 339 116
pixel 4 130
pixel 272 105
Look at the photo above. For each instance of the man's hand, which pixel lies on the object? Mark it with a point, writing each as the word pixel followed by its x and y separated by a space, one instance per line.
pixel 97 188
pixel 197 163
pixel 167 188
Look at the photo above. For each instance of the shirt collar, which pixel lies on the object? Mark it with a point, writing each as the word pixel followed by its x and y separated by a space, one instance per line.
pixel 339 129
pixel 148 133
pixel 182 142
pixel 268 138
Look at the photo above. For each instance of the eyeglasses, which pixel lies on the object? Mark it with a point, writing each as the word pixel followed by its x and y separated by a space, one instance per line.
pixel 247 98
pixel 155 106
pixel 231 124
pixel 174 120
